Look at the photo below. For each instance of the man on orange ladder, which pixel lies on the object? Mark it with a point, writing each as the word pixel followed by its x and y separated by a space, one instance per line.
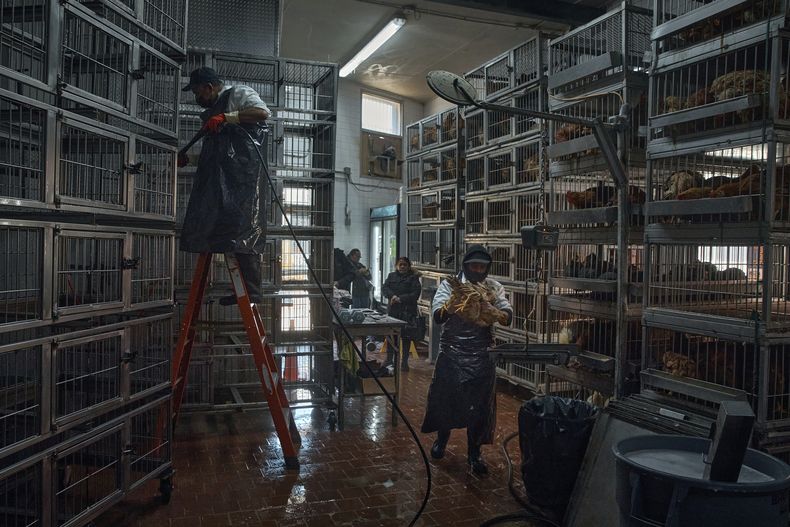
pixel 226 211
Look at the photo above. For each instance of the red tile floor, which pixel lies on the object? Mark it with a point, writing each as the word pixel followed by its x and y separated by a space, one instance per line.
pixel 230 471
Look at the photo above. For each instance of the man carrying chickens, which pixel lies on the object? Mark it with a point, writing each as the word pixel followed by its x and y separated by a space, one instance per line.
pixel 462 389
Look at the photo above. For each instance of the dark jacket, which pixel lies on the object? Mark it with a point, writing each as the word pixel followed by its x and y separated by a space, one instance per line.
pixel 405 286
pixel 360 282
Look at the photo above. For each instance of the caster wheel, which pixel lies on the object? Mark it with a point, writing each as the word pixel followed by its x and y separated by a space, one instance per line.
pixel 165 490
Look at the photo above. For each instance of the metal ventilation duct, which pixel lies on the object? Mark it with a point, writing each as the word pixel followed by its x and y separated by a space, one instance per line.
pixel 240 26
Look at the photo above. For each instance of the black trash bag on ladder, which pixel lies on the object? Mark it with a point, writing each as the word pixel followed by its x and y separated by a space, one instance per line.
pixel 553 436
pixel 228 203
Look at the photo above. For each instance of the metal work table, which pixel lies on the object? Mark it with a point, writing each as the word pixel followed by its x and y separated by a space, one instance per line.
pixel 375 325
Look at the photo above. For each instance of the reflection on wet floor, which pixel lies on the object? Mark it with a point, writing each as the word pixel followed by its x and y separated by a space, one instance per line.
pixel 230 471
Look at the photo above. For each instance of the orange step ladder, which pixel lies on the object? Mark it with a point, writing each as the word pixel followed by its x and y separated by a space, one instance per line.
pixel 265 363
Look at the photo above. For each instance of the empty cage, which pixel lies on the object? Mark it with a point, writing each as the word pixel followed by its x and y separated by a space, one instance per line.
pixel 448 205
pixel 498 75
pixel 309 86
pixel 168 18
pixel 501 262
pixel 260 74
pixel 157 90
pixel 87 474
pixel 21 495
pixel 530 61
pixel 533 99
pixel 414 212
pixel 499 126
pixel 149 443
pixel 307 203
pixel 21 400
pixel 721 279
pixel 87 375
pixel 475 174
pixel 413 172
pixel 22 279
pixel 499 215
pixel 427 242
pixel 152 267
pixel 527 210
pixel 154 179
pixel 150 348
pixel 307 148
pixel 600 51
pixel 447 249
pixel 413 138
pixel 95 61
pixel 475 218
pixel 528 267
pixel 24 36
pixel 23 134
pixel 477 79
pixel 88 271
pixel 91 166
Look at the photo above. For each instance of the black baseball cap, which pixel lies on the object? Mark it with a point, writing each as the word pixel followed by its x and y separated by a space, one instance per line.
pixel 200 76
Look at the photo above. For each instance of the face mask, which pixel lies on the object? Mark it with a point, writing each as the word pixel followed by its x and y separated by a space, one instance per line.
pixel 473 276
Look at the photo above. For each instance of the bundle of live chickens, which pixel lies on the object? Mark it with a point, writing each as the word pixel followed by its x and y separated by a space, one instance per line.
pixel 602 195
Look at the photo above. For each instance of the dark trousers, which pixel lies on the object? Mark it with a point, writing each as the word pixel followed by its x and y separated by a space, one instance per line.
pixel 250 267
pixel 404 358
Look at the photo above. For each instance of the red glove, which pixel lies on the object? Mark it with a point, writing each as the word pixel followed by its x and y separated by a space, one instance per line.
pixel 214 124
pixel 183 160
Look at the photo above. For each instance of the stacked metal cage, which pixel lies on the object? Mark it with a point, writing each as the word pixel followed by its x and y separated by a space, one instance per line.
pixel 594 71
pixel 89 102
pixel 300 154
pixel 717 236
pixel 434 196
pixel 505 189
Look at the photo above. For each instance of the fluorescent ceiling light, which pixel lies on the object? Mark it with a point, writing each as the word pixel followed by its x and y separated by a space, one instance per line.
pixel 375 43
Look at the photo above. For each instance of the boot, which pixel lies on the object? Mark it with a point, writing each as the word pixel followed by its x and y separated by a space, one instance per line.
pixel 439 446
pixel 404 363
pixel 250 267
pixel 476 462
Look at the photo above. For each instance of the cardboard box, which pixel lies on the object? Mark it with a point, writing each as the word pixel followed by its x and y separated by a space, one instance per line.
pixel 369 386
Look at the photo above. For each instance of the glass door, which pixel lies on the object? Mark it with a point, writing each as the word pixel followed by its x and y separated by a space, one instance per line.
pixel 383 245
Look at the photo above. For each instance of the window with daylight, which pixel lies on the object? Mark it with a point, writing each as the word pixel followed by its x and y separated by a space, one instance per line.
pixel 380 114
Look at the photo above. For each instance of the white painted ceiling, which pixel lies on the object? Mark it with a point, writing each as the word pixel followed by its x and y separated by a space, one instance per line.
pixel 334 30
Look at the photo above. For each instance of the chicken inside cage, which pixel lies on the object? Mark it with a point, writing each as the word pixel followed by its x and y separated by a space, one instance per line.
pixel 598 335
pixel 430 169
pixel 413 136
pixel 430 133
pixel 721 280
pixel 730 172
pixel 449 128
pixel 475 130
pixel 449 165
pixel 708 28
pixel 414 173
pixel 602 195
pixel 430 207
pixel 498 76
pixel 527 163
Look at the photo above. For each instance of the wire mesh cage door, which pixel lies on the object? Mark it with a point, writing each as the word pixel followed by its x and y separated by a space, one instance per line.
pixel 23 282
pixel 22 495
pixel 22 416
pixel 23 150
pixel 88 271
pixel 92 166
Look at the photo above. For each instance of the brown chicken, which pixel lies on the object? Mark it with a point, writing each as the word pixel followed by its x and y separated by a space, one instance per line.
pixel 448 126
pixel 598 196
pixel 747 183
pixel 679 365
pixel 743 82
pixel 429 135
pixel 695 193
pixel 681 181
pixel 570 131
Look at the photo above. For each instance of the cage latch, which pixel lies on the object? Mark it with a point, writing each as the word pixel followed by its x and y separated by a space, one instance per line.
pixel 134 168
pixel 130 263
pixel 128 356
pixel 138 74
pixel 128 450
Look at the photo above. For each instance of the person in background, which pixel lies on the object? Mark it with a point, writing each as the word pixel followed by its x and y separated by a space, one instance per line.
pixel 462 391
pixel 228 218
pixel 359 277
pixel 402 288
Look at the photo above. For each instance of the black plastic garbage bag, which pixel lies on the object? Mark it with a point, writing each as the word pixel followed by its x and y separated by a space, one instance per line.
pixel 553 435
pixel 227 206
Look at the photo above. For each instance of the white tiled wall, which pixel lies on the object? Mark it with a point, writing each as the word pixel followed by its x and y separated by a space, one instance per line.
pixel 368 192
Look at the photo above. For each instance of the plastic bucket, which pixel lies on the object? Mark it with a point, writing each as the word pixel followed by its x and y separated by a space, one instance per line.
pixel 660 483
